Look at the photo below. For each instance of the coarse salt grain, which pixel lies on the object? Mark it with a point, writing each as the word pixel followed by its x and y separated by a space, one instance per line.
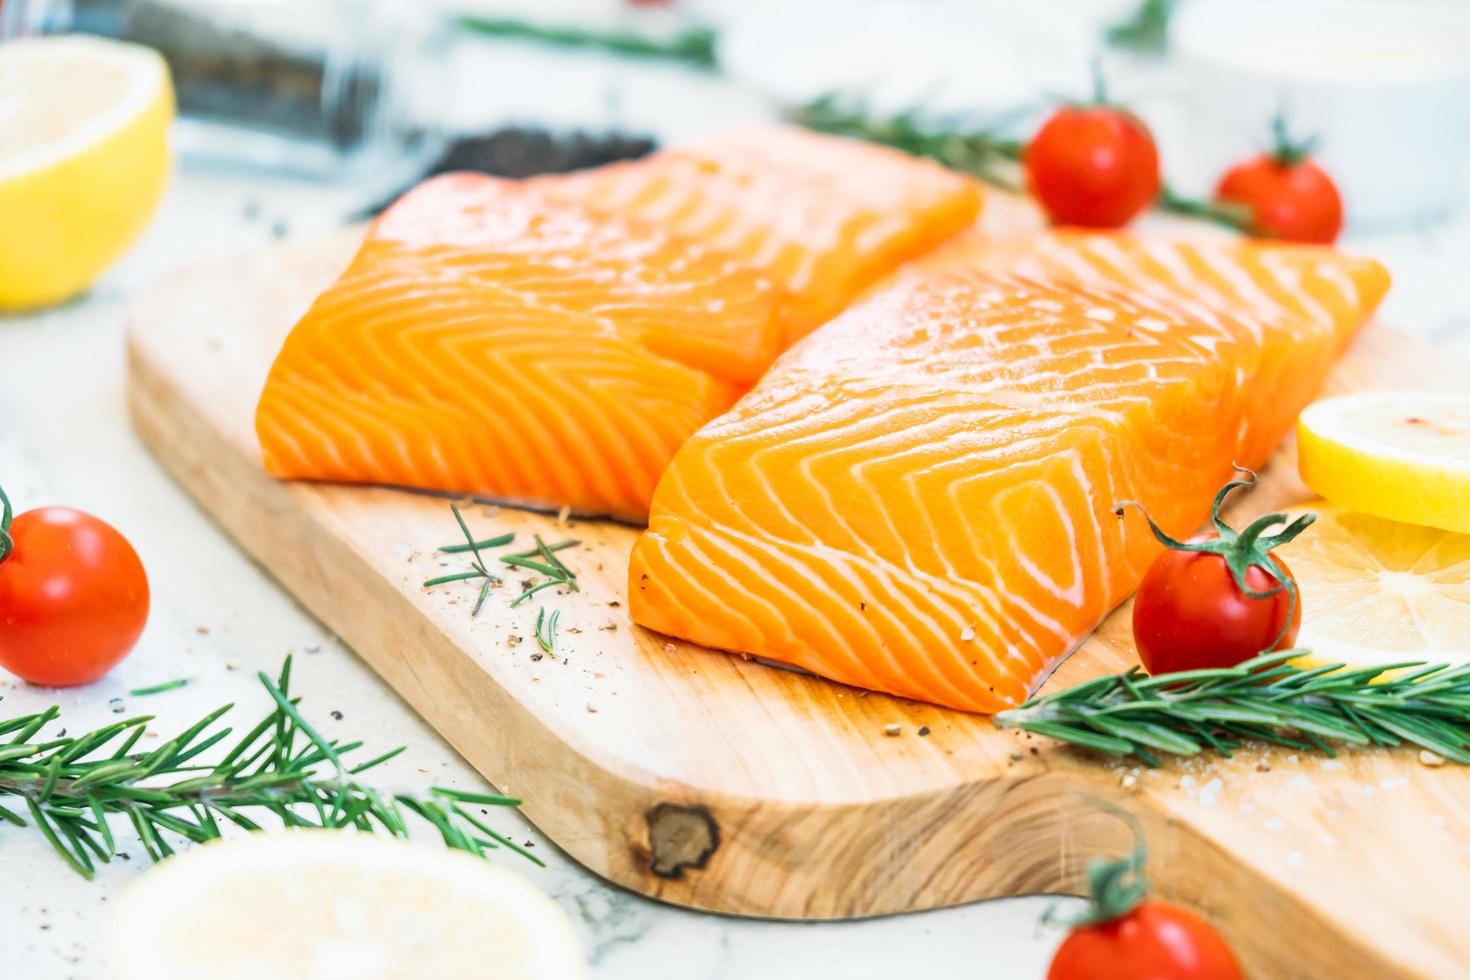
pixel 1212 788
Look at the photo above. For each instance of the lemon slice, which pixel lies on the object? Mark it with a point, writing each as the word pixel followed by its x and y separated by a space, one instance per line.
pixel 83 160
pixel 332 905
pixel 1400 455
pixel 1376 592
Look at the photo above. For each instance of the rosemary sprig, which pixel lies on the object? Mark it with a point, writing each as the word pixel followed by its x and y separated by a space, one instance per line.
pixel 70 788
pixel 985 154
pixel 1265 699
pixel 693 46
pixel 975 152
pixel 541 559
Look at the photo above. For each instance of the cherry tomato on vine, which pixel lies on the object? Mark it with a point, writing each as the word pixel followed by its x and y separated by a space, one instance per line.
pixel 1092 165
pixel 1124 935
pixel 1152 941
pixel 73 595
pixel 1289 197
pixel 1219 599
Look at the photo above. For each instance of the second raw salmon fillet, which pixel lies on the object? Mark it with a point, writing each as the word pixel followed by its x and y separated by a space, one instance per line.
pixel 919 498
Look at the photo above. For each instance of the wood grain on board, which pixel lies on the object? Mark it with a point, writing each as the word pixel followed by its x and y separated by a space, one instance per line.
pixel 710 781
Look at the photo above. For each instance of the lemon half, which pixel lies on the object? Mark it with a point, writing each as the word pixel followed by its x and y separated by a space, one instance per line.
pixel 333 905
pixel 1400 455
pixel 1376 592
pixel 83 160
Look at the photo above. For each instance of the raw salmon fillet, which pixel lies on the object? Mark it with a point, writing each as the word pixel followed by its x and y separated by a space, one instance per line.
pixel 486 340
pixel 824 216
pixel 554 342
pixel 919 498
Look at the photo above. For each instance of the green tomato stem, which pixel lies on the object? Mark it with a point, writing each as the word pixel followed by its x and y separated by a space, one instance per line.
pixel 1286 151
pixel 1099 83
pixel 1114 887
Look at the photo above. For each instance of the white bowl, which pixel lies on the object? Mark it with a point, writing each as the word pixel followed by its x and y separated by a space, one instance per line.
pixel 1385 84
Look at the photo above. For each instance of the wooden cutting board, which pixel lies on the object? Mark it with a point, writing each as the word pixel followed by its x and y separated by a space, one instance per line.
pixel 714 782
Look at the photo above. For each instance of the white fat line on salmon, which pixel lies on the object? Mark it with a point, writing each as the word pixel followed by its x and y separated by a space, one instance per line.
pixel 1347 287
pixel 1291 279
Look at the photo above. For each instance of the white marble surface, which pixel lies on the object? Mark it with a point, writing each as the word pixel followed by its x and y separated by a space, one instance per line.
pixel 217 619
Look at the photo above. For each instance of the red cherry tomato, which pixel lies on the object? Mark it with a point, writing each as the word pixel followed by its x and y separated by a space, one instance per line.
pixel 73 596
pixel 1095 166
pixel 1295 202
pixel 1124 935
pixel 1153 941
pixel 1219 599
pixel 1191 614
pixel 1289 196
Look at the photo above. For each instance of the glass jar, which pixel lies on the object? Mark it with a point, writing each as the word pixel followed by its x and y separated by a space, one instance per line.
pixel 327 88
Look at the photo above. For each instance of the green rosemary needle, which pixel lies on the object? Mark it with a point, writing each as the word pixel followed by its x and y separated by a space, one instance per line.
pixel 546 629
pixel 499 541
pixel 283 768
pixel 1266 699
pixel 139 692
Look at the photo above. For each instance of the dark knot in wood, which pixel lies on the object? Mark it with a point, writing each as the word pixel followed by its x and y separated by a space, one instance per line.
pixel 680 837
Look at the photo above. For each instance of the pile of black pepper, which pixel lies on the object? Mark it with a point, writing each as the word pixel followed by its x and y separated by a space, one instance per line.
pixel 517 151
pixel 526 151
